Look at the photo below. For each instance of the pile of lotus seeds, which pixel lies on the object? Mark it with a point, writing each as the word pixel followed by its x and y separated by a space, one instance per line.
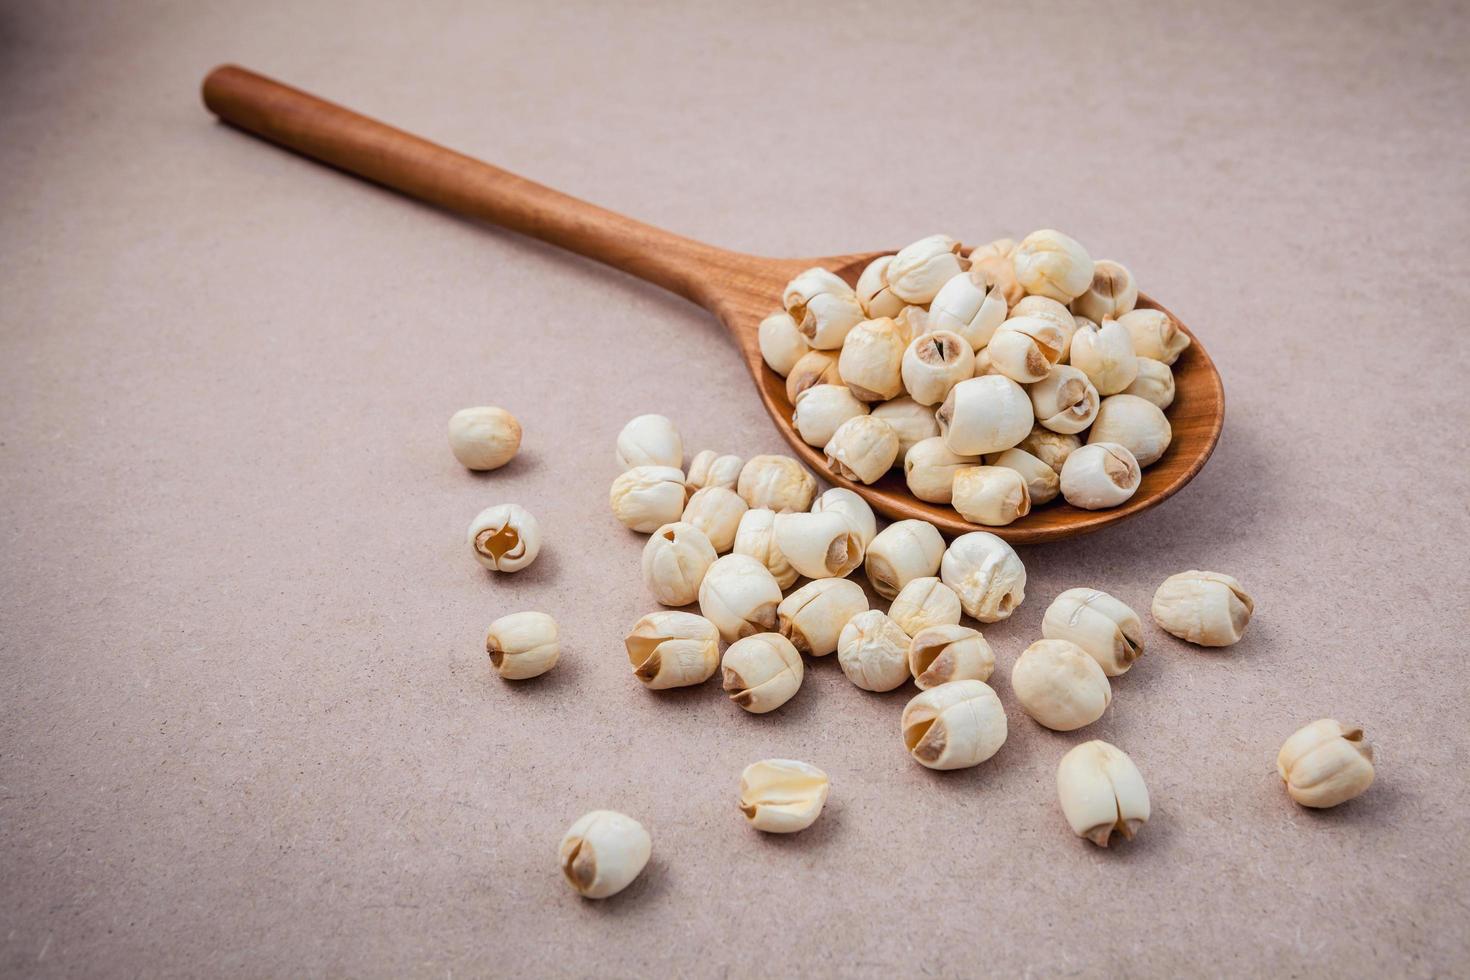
pixel 767 560
pixel 981 376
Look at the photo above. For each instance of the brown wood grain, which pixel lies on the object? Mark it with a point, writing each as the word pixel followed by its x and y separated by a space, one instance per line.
pixel 739 289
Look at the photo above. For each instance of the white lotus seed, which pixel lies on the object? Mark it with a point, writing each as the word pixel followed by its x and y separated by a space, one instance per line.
pixel 603 852
pixel 522 645
pixel 484 438
pixel 1060 686
pixel 781 342
pixel 782 796
pixel 821 409
pixel 646 498
pixel 739 596
pixel 986 574
pixel 650 440
pixel 1134 422
pixel 1099 475
pixel 675 561
pixel 902 552
pixel 1205 608
pixel 873 652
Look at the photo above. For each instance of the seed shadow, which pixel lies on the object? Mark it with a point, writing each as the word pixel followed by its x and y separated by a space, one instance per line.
pixel 563 677
pixel 525 460
pixel 689 692
pixel 1379 804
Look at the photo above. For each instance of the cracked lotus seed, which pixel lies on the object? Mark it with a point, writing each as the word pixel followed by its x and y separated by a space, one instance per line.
pixel 954 726
pixel 645 498
pixel 716 511
pixel 603 852
pixel 972 305
pixel 1105 354
pixel 710 469
pixel 1048 309
pixel 673 649
pixel 934 363
pixel 873 293
pixel 739 596
pixel 1049 263
pixel 919 270
pixel 871 360
pixel 1025 348
pixel 1106 629
pixel 484 438
pixel 824 307
pixel 1325 763
pixel 761 672
pixel 991 495
pixel 1100 474
pixel 925 602
pixel 782 796
pixel 813 616
pixel 940 654
pixel 985 415
pixel 840 500
pixel 1064 401
pixel 505 538
pixel 815 367
pixel 675 560
pixel 1101 792
pixel 1155 334
pixel 1133 422
pixel 862 449
pixel 1111 293
pixel 995 259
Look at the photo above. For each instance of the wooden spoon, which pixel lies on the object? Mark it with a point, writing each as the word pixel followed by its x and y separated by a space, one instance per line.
pixel 739 289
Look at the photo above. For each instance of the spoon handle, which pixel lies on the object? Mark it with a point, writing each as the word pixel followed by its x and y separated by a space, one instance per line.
pixel 373 150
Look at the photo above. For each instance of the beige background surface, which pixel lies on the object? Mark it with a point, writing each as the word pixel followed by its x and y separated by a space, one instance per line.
pixel 248 725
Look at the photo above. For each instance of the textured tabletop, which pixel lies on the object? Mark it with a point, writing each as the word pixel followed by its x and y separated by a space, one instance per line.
pixel 249 726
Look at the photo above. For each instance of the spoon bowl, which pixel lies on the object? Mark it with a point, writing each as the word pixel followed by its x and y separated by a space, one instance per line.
pixel 741 290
